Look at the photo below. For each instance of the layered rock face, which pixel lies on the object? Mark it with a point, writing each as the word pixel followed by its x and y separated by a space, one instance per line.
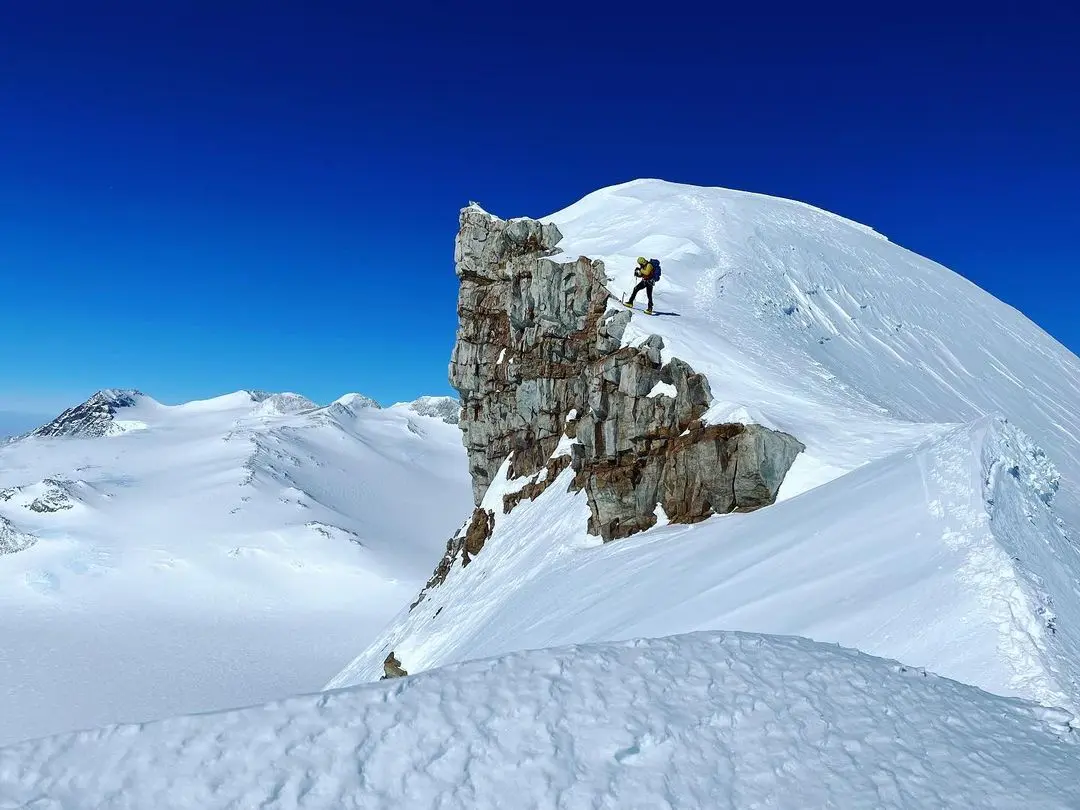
pixel 92 418
pixel 539 355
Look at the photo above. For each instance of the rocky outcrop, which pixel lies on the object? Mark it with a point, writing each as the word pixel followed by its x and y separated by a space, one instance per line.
pixel 56 497
pixel 392 668
pixel 538 342
pixel 12 539
pixel 464 545
pixel 92 418
pixel 539 359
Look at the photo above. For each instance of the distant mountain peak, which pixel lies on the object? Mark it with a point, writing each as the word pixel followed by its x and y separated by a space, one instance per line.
pixel 280 404
pixel 357 401
pixel 94 417
pixel 446 408
pixel 350 405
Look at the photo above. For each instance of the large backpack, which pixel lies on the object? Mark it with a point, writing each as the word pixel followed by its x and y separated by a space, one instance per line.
pixel 656 269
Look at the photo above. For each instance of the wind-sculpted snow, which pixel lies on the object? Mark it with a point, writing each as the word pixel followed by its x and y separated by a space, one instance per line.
pixel 707 720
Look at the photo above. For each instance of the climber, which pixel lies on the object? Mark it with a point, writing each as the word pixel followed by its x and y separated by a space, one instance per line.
pixel 648 270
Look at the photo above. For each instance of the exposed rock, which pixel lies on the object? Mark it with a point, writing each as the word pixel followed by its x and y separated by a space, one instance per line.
pixel 392 668
pixel 537 343
pixel 463 546
pixel 12 539
pixel 57 496
pixel 526 331
pixel 480 528
pixel 52 501
pixel 92 418
pixel 539 355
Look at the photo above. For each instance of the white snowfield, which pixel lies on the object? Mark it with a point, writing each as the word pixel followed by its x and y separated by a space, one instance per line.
pixel 708 720
pixel 933 517
pixel 228 551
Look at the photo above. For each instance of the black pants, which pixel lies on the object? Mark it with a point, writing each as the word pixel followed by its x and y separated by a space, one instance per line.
pixel 646 285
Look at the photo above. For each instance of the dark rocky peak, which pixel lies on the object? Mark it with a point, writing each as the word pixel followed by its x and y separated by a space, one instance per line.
pixel 93 417
pixel 13 539
pixel 539 356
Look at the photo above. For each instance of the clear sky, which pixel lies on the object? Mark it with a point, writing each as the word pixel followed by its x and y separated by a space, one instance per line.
pixel 197 197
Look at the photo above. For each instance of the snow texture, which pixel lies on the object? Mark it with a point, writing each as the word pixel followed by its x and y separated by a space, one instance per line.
pixel 716 720
pixel 919 524
pixel 234 550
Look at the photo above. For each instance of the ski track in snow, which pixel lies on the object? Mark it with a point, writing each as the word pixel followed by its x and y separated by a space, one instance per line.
pixel 717 720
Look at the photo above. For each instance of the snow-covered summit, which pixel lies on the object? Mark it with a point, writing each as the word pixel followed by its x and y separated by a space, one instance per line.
pixel 446 408
pixel 97 416
pixel 283 403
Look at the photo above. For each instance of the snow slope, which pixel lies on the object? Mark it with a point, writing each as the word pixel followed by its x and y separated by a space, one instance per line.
pixel 710 720
pixel 229 551
pixel 918 524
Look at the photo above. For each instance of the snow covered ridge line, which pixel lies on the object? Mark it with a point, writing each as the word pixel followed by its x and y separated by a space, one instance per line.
pixel 1028 573
pixel 94 417
pixel 629 188
pixel 100 415
pixel 719 720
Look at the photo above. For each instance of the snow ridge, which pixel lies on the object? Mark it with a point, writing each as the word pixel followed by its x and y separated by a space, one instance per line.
pixel 720 720
pixel 1037 601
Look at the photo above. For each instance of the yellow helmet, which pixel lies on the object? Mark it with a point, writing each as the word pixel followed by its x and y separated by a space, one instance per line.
pixel 641 260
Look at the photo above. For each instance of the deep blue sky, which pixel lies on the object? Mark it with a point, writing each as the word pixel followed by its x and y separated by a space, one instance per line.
pixel 197 197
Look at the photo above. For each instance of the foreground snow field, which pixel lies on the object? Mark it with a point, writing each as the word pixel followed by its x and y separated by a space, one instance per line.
pixel 211 554
pixel 716 720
